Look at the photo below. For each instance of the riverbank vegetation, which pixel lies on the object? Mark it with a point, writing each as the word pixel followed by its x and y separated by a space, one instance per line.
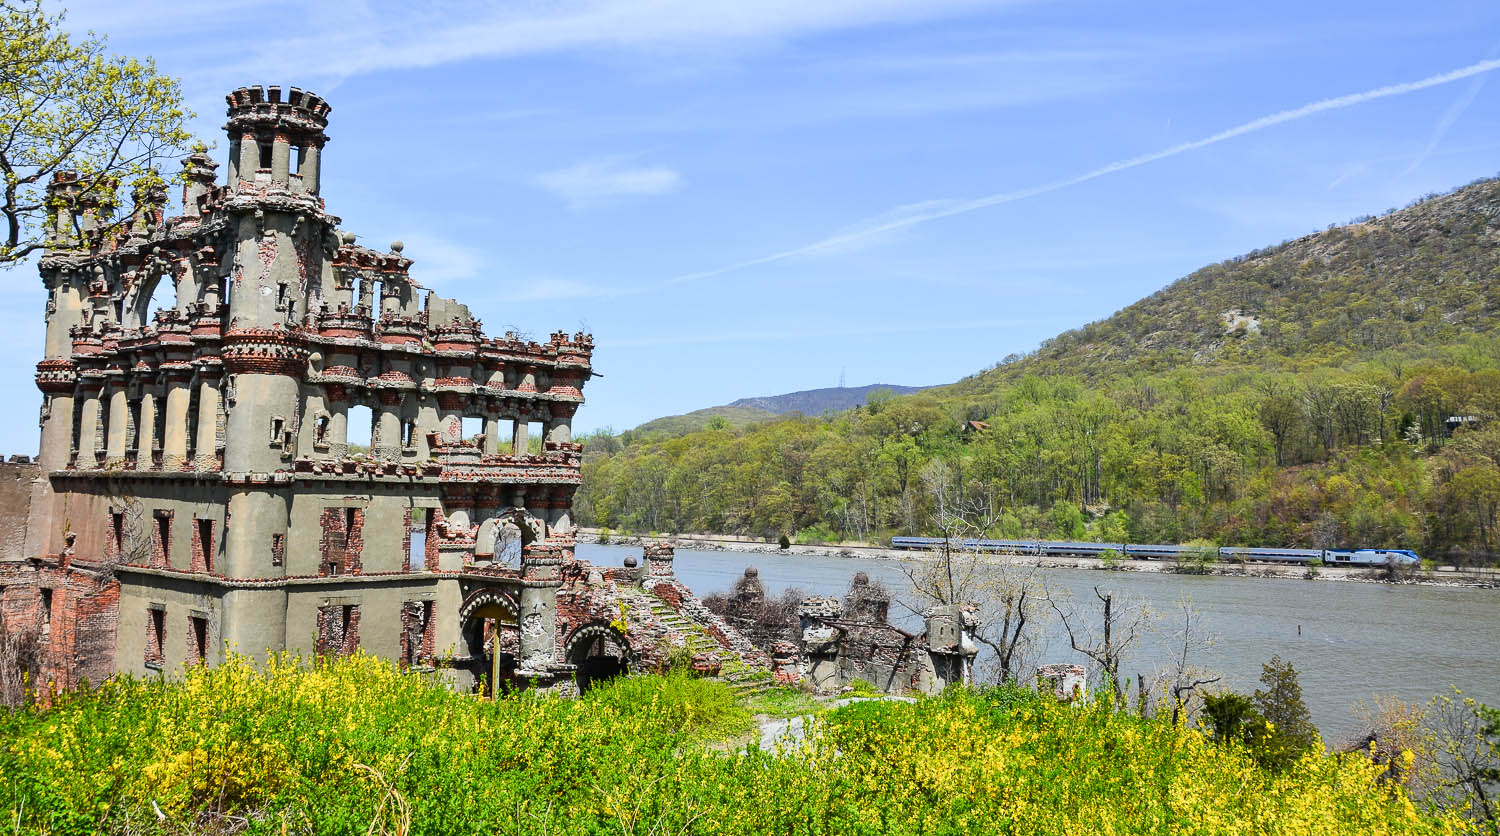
pixel 1339 390
pixel 356 746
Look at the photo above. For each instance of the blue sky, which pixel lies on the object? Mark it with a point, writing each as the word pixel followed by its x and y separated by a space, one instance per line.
pixel 747 198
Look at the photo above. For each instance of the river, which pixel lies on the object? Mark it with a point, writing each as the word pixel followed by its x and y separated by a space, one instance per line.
pixel 1355 639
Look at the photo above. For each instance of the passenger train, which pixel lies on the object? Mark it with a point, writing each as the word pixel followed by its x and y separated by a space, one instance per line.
pixel 1052 548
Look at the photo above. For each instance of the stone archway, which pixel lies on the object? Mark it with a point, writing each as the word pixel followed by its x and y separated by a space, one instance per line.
pixel 599 651
pixel 487 610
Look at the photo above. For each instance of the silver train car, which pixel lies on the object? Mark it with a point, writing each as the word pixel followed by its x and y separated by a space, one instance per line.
pixel 1054 548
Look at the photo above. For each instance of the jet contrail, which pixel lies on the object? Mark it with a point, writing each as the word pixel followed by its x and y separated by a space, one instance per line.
pixel 961 207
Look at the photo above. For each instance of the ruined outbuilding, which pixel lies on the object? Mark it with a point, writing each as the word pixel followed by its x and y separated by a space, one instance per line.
pixel 202 488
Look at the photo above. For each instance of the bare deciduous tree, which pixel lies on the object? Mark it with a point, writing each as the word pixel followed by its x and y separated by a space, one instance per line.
pixel 1180 678
pixel 1123 624
pixel 1009 598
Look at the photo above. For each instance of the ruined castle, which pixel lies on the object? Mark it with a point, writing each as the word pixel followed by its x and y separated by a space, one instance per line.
pixel 203 485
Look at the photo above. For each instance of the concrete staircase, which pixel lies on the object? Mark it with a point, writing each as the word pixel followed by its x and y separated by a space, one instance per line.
pixel 740 677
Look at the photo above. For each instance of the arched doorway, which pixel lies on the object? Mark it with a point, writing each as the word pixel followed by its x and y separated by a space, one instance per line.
pixel 485 615
pixel 599 652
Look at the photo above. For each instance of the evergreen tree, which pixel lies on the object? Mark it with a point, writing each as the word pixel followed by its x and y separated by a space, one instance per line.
pixel 1291 730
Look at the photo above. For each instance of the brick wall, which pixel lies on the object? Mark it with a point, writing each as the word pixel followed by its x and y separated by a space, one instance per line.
pixel 15 507
pixel 342 540
pixel 338 630
pixel 418 634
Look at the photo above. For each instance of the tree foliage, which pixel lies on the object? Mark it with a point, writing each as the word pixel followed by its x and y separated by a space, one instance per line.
pixel 1328 424
pixel 70 106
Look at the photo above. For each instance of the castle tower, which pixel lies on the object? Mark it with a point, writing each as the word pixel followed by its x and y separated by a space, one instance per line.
pixel 275 156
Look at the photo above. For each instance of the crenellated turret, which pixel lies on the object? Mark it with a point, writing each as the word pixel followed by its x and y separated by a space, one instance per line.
pixel 276 141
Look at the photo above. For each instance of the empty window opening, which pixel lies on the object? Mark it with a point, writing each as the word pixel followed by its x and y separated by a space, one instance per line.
pixel 361 430
pixel 197 640
pixel 156 631
pixel 534 438
pixel 508 548
pixel 265 154
pixel 117 531
pixel 409 434
pixel 46 614
pixel 417 551
pixel 295 159
pixel 320 430
pixel 77 422
pixel 158 430
pixel 133 426
pixel 206 542
pixel 277 424
pixel 473 427
pixel 192 423
pixel 164 535
pixel 163 298
pixel 349 518
pixel 416 623
pixel 101 432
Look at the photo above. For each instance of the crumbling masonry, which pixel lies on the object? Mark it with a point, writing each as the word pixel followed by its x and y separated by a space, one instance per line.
pixel 197 490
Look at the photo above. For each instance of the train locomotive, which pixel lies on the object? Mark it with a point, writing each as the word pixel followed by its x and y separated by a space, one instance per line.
pixel 1053 548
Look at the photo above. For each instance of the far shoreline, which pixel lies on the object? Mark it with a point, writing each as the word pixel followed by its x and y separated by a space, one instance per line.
pixel 1442 576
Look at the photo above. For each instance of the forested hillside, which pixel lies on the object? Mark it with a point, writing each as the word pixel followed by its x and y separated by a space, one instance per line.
pixel 1340 389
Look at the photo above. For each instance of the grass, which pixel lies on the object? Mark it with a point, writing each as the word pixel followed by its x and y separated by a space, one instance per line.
pixel 357 747
pixel 784 702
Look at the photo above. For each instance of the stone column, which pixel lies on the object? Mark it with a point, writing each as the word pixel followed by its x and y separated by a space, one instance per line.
pixel 561 428
pixel 560 516
pixel 540 579
pixel 145 431
pixel 119 422
pixel 520 441
pixel 249 157
pixel 338 429
pixel 174 442
pixel 280 159
pixel 57 433
pixel 311 161
pixel 387 441
pixel 492 434
pixel 88 433
pixel 205 455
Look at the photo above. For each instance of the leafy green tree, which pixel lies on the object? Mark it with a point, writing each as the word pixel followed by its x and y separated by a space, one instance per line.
pixel 70 106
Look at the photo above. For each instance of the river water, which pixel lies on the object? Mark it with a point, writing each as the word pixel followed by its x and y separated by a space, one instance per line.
pixel 1355 639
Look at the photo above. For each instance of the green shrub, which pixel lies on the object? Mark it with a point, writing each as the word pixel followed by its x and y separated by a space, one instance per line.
pixel 701 708
pixel 815 534
pixel 1196 558
pixel 785 542
pixel 292 747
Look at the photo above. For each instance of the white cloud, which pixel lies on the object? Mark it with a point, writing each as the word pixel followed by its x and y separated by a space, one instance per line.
pixel 602 181
pixel 904 217
pixel 384 36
